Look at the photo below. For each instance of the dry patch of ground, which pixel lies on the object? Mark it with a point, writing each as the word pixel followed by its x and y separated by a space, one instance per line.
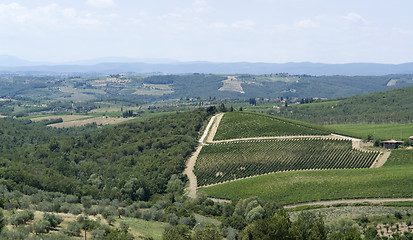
pixel 65 118
pixel 98 120
pixel 154 89
pixel 232 84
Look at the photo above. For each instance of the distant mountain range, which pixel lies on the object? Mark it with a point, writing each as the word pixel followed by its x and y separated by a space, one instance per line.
pixel 114 65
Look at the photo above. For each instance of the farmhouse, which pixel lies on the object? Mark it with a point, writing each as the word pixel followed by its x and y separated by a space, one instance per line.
pixel 391 144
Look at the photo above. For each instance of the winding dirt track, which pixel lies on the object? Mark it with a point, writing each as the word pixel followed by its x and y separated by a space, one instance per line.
pixel 212 128
pixel 190 164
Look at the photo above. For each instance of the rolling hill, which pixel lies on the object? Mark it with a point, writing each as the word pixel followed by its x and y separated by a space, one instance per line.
pixel 394 106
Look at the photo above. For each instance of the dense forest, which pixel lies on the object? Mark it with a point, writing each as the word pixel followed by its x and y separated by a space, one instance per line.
pixel 132 161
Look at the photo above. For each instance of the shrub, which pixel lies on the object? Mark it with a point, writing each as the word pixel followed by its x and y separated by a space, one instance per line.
pixel 42 226
pixel 86 201
pixel 72 229
pixel 45 206
pixel 65 208
pixel 54 219
pixel 172 219
pixel 21 218
pixel 75 210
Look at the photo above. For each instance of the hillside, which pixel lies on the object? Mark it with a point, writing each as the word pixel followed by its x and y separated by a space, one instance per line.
pixel 392 180
pixel 222 162
pixel 203 87
pixel 250 144
pixel 394 106
pixel 120 65
pixel 114 162
pixel 244 125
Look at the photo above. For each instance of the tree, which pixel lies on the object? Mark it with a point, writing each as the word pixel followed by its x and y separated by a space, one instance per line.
pixel 222 108
pixel 305 226
pixel 370 233
pixel 41 226
pixel 180 232
pixel 274 227
pixel 53 219
pixel 2 220
pixel 207 233
pixel 119 234
pixel 86 201
pixel 73 229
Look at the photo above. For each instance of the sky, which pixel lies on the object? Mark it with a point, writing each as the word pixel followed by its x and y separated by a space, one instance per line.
pixel 274 31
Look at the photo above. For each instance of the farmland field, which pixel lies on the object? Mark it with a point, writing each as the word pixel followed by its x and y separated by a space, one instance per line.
pixel 380 131
pixel 97 120
pixel 140 227
pixel 243 125
pixel 228 161
pixel 393 180
pixel 65 118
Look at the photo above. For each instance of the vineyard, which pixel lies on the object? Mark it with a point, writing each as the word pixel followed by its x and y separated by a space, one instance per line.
pixel 236 125
pixel 222 162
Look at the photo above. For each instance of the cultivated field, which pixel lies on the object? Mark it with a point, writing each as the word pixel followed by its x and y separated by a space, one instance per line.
pixel 228 161
pixel 393 180
pixel 380 131
pixel 236 125
pixel 154 89
pixel 97 120
pixel 65 118
pixel 232 84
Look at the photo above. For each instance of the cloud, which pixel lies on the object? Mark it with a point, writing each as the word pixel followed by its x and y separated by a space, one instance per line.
pixel 243 24
pixel 238 24
pixel 354 18
pixel 200 6
pixel 403 32
pixel 69 12
pixel 101 3
pixel 306 24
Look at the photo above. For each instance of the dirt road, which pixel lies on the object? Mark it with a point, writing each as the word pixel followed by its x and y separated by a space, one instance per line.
pixel 190 163
pixel 212 128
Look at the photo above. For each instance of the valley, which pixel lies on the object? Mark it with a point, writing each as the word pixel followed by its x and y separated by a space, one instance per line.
pixel 143 158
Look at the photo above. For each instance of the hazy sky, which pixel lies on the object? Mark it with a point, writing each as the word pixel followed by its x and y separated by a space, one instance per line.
pixel 278 31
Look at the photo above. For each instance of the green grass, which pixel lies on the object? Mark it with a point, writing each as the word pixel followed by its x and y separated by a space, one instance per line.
pixel 380 131
pixel 244 125
pixel 398 204
pixel 145 228
pixel 394 179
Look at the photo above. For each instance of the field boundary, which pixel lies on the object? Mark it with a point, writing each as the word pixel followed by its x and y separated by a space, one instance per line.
pixel 211 130
pixel 351 201
pixel 190 163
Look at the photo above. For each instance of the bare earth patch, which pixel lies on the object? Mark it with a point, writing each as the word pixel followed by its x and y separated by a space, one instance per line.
pixel 232 84
pixel 97 120
pixel 65 118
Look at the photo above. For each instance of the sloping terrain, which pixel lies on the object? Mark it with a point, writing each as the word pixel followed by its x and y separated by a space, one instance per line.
pixel 393 180
pixel 235 125
pixel 251 154
pixel 394 106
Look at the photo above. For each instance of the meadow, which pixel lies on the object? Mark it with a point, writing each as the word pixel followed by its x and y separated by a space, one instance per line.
pixel 375 131
pixel 393 180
